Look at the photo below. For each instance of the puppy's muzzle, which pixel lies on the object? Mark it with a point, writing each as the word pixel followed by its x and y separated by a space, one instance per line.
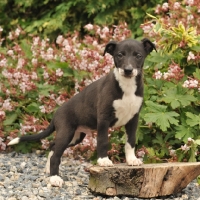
pixel 130 72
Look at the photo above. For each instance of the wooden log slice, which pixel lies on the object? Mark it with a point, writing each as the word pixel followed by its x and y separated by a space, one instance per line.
pixel 145 181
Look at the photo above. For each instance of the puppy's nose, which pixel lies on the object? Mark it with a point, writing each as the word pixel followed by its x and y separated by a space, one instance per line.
pixel 128 71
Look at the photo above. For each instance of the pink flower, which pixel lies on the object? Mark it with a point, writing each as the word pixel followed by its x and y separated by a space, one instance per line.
pixel 141 154
pixel 105 30
pixel 190 17
pixel 23 86
pixel 34 61
pixel 36 41
pixel 42 109
pixel 2 114
pixel 20 63
pixel 176 5
pixel 190 2
pixel 190 139
pixel 158 75
pixel 2 144
pixel 158 8
pixel 10 52
pixel 59 72
pixel 7 105
pixel 45 75
pixel 3 62
pixel 34 76
pixel 89 27
pixel 185 147
pixel 59 39
pixel 172 152
pixel 17 32
pixel 165 7
pixel 191 83
pixel 186 84
pixel 191 56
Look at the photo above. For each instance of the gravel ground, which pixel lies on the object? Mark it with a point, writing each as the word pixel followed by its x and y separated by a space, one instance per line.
pixel 22 177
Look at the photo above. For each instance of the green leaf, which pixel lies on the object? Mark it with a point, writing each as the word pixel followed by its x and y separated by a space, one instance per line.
pixel 193 119
pixel 192 155
pixel 197 142
pixel 32 108
pixel 197 74
pixel 26 48
pixel 154 107
pixel 184 132
pixel 160 116
pixel 177 97
pixel 196 48
pixel 45 89
pixel 10 119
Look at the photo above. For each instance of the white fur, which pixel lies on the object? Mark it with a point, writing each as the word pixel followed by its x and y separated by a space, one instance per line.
pixel 104 162
pixel 56 181
pixel 130 155
pixel 14 141
pixel 47 168
pixel 130 104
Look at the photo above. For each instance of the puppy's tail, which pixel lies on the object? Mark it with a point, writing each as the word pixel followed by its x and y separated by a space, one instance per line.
pixel 50 129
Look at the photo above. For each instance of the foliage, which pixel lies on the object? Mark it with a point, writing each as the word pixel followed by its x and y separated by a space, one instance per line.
pixel 37 76
pixel 52 17
pixel 172 98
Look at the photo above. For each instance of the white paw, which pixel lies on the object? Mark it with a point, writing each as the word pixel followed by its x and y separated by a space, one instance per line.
pixel 134 161
pixel 104 162
pixel 130 155
pixel 56 181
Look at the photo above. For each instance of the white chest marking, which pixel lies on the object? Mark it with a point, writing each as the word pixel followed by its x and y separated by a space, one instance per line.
pixel 130 104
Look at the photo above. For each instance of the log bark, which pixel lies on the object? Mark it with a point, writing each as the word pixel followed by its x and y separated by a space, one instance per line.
pixel 145 181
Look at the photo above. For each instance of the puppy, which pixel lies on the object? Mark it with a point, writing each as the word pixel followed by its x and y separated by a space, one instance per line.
pixel 112 101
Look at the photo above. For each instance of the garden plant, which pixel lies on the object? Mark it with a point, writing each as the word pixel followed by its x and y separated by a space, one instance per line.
pixel 38 75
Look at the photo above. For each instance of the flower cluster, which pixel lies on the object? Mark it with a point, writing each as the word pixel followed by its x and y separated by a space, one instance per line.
pixel 192 83
pixel 186 11
pixel 174 73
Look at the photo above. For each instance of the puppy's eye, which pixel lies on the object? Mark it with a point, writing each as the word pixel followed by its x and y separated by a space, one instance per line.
pixel 120 55
pixel 138 56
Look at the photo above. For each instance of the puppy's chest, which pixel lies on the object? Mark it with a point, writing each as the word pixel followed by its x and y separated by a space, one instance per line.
pixel 127 106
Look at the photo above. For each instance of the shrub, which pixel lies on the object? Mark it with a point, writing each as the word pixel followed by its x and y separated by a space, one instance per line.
pixel 170 118
pixel 52 17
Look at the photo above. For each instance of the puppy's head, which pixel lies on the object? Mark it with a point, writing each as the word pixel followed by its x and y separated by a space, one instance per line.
pixel 129 55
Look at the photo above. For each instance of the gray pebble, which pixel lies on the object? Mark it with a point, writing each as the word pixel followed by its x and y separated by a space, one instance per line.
pixel 23 177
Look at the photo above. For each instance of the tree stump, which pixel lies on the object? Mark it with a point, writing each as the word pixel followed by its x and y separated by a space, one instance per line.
pixel 145 181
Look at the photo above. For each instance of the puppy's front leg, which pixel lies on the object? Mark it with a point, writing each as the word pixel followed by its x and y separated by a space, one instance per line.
pixel 131 128
pixel 102 144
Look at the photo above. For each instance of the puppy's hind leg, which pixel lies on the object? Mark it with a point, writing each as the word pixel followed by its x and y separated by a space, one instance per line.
pixel 61 143
pixel 78 138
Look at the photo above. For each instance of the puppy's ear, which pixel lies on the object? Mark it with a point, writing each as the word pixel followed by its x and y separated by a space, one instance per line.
pixel 148 45
pixel 110 47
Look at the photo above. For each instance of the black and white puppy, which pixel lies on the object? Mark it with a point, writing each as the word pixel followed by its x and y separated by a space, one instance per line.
pixel 112 101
